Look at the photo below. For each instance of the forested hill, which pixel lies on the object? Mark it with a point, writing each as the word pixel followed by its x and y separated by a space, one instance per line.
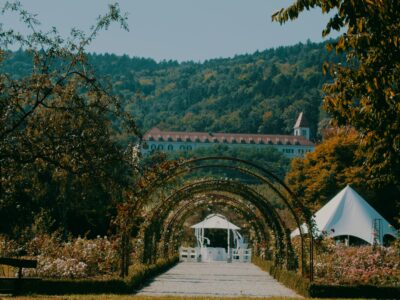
pixel 261 92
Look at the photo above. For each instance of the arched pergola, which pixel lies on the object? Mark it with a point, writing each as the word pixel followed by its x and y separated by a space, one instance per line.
pixel 174 223
pixel 176 180
pixel 152 228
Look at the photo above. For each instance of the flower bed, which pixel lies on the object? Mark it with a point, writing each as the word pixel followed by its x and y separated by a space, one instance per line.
pixel 358 265
pixel 76 258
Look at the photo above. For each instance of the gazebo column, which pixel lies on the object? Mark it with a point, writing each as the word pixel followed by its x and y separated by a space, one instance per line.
pixel 229 244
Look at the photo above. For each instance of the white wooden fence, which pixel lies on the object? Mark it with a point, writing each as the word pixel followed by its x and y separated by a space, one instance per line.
pixel 241 255
pixel 194 254
pixel 189 254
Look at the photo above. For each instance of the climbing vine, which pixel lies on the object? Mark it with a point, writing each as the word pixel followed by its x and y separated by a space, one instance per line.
pixel 165 193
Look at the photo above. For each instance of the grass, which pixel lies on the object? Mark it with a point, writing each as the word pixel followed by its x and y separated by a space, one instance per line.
pixel 132 297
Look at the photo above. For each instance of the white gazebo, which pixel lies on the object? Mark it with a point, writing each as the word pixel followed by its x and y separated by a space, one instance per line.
pixel 207 254
pixel 348 214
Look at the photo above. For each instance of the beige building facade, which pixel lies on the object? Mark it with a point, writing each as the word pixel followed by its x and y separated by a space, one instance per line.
pixel 296 145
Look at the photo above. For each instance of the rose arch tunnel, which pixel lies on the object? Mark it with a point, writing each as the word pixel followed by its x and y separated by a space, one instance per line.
pixel 250 192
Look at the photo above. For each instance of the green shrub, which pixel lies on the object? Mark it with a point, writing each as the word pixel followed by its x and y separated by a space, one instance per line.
pixel 302 285
pixel 290 279
pixel 139 275
pixel 354 291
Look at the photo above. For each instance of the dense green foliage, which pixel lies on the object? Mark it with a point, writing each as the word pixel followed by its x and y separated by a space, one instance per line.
pixel 269 158
pixel 365 91
pixel 336 162
pixel 61 165
pixel 260 92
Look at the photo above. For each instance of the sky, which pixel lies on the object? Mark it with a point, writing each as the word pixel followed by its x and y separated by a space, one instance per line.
pixel 180 30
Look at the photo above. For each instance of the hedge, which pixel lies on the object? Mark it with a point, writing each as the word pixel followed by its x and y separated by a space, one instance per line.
pixel 303 286
pixel 290 279
pixel 354 291
pixel 140 275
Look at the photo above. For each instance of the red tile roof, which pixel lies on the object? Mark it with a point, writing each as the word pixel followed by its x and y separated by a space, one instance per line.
pixel 156 134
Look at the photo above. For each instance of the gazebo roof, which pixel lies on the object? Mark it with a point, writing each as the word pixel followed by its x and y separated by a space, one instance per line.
pixel 215 221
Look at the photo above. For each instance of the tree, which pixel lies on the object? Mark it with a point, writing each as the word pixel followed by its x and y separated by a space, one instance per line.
pixel 58 129
pixel 365 92
pixel 336 162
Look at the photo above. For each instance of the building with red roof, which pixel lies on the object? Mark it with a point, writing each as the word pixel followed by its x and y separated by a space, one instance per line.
pixel 295 145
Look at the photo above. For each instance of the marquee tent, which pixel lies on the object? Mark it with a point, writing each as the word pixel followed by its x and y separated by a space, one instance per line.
pixel 348 214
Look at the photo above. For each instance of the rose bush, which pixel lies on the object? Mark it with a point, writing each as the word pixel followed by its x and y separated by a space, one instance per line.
pixel 74 258
pixel 339 264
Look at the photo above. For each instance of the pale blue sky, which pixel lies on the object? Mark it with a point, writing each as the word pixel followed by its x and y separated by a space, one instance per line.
pixel 180 29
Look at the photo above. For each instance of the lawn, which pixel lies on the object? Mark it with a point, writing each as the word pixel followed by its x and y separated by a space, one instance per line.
pixel 126 297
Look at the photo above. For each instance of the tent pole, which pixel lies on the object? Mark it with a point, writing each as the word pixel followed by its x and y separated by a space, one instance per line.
pixel 311 258
pixel 228 244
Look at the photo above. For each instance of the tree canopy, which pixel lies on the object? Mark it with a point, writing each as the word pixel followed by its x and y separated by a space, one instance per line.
pixel 336 162
pixel 261 92
pixel 365 90
pixel 59 151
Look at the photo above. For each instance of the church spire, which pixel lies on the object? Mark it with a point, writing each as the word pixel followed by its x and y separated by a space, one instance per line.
pixel 302 127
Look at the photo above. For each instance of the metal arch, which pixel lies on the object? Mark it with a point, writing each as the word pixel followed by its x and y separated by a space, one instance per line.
pixel 158 181
pixel 176 223
pixel 180 215
pixel 218 199
pixel 263 205
pixel 238 189
pixel 262 179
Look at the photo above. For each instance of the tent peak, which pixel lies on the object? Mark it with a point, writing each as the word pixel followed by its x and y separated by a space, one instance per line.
pixel 348 213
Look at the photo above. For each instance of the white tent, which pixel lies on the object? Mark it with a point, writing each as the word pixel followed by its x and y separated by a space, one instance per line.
pixel 215 221
pixel 348 214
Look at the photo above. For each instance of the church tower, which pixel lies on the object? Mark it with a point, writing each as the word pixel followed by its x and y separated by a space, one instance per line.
pixel 302 127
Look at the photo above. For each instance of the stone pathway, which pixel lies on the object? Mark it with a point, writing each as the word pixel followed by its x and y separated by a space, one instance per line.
pixel 216 279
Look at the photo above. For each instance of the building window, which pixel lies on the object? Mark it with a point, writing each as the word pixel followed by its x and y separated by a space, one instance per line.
pixel 189 147
pixel 153 147
pixel 170 147
pixel 160 147
pixel 181 147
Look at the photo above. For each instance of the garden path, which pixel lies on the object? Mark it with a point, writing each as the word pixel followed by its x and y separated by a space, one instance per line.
pixel 216 279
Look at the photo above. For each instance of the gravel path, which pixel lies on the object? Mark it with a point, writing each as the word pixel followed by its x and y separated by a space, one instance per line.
pixel 216 279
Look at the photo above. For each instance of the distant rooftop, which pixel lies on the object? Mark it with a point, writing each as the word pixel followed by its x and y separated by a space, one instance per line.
pixel 156 134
